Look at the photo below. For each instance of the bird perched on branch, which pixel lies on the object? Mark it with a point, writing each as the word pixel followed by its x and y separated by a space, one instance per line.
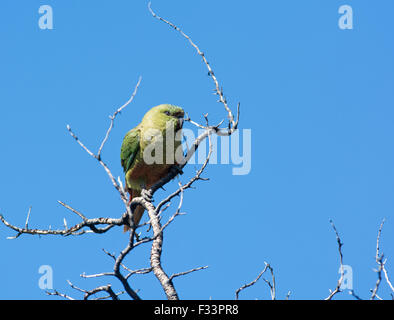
pixel 150 149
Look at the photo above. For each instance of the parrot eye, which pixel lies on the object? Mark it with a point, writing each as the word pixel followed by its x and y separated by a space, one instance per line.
pixel 167 113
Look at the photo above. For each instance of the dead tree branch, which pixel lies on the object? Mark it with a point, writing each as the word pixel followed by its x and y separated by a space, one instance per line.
pixel 381 262
pixel 271 285
pixel 339 284
pixel 102 225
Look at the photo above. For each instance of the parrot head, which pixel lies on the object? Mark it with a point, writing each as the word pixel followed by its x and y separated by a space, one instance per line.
pixel 166 113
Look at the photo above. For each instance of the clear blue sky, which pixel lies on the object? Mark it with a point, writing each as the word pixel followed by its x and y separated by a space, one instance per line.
pixel 319 101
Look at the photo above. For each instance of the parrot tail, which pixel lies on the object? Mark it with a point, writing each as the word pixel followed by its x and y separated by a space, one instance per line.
pixel 137 213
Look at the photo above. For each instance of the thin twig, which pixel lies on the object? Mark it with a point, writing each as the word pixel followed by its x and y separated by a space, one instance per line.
pixel 379 260
pixel 187 272
pixel 272 285
pixel 112 118
pixel 237 292
pixel 339 284
pixel 218 90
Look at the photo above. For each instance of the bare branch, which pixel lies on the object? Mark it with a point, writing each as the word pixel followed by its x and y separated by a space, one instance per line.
pixel 272 285
pixel 251 283
pixel 233 124
pixel 97 156
pixel 379 260
pixel 339 284
pixel 107 170
pixel 352 293
pixel 177 212
pixel 88 293
pixel 27 219
pixel 387 277
pixel 187 272
pixel 112 118
pixel 57 293
pixel 91 223
pixel 155 256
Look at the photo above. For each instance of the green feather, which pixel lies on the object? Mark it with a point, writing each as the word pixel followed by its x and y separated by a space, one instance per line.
pixel 130 148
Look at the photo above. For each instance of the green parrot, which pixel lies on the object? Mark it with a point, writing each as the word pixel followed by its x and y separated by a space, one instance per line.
pixel 149 150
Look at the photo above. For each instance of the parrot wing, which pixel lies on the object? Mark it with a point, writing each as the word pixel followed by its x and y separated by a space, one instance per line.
pixel 130 148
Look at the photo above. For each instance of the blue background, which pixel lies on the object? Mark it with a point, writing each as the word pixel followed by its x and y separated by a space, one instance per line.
pixel 319 102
